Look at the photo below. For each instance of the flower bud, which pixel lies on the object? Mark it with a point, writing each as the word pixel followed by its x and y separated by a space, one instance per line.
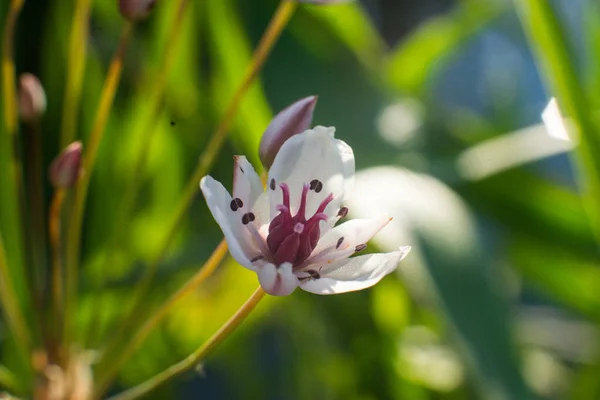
pixel 66 168
pixel 32 98
pixel 291 121
pixel 136 10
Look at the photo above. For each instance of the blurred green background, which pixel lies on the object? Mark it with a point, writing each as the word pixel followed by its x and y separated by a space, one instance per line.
pixel 441 102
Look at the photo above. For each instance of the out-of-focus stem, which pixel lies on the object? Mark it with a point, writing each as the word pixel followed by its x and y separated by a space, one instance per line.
pixel 196 357
pixel 278 22
pixel 133 188
pixel 140 333
pixel 78 38
pixel 76 216
pixel 8 67
pixel 8 380
pixel 14 317
pixel 54 231
pixel 548 42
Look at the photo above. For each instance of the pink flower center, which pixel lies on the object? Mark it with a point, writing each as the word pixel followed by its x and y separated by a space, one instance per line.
pixel 293 238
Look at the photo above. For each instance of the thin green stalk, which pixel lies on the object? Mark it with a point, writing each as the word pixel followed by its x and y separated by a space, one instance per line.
pixel 78 39
pixel 140 333
pixel 278 22
pixel 132 190
pixel 196 357
pixel 14 317
pixel 548 42
pixel 91 151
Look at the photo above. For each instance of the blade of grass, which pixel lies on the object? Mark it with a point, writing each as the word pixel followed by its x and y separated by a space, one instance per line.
pixel 278 22
pixel 196 357
pixel 548 42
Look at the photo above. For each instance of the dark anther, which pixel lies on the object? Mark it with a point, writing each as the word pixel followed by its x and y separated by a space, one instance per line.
pixel 242 169
pixel 360 247
pixel 339 243
pixel 313 274
pixel 316 185
pixel 236 203
pixel 343 212
pixel 248 217
pixel 272 184
pixel 255 259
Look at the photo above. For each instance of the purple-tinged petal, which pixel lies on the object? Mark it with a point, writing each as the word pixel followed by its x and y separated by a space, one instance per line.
pixel 277 281
pixel 66 167
pixel 291 121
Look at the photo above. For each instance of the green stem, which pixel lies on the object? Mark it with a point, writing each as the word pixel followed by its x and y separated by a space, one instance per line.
pixel 8 381
pixel 196 357
pixel 91 151
pixel 78 39
pixel 547 40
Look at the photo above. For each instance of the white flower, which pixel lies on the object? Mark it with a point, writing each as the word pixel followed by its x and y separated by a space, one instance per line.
pixel 287 235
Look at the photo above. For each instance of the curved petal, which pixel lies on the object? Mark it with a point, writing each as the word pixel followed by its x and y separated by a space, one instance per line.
pixel 355 273
pixel 340 242
pixel 312 155
pixel 277 281
pixel 239 240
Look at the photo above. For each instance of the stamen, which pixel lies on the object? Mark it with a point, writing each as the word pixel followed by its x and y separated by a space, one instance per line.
pixel 260 241
pixel 247 218
pixel 339 243
pixel 313 274
pixel 272 184
pixel 342 212
pixel 360 247
pixel 236 204
pixel 316 185
pixel 255 259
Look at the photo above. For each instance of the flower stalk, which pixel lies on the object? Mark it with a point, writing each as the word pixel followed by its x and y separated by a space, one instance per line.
pixel 76 217
pixel 199 355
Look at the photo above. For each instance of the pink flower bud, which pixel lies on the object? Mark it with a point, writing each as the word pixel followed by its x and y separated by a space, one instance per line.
pixel 136 10
pixel 32 98
pixel 66 167
pixel 291 121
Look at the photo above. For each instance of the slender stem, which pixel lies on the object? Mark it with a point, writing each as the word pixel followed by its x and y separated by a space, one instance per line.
pixel 54 230
pixel 132 190
pixel 14 317
pixel 78 39
pixel 138 337
pixel 76 217
pixel 548 42
pixel 196 357
pixel 8 67
pixel 278 22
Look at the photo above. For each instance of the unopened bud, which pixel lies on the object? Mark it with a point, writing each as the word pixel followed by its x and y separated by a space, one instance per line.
pixel 291 121
pixel 136 10
pixel 66 168
pixel 32 98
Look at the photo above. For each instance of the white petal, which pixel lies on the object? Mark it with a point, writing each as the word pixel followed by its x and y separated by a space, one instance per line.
pixel 355 273
pixel 554 121
pixel 277 281
pixel 340 242
pixel 238 238
pixel 246 182
pixel 313 154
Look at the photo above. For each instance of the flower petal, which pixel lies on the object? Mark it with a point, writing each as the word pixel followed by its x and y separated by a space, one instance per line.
pixel 248 187
pixel 341 241
pixel 355 273
pixel 239 240
pixel 277 281
pixel 312 155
